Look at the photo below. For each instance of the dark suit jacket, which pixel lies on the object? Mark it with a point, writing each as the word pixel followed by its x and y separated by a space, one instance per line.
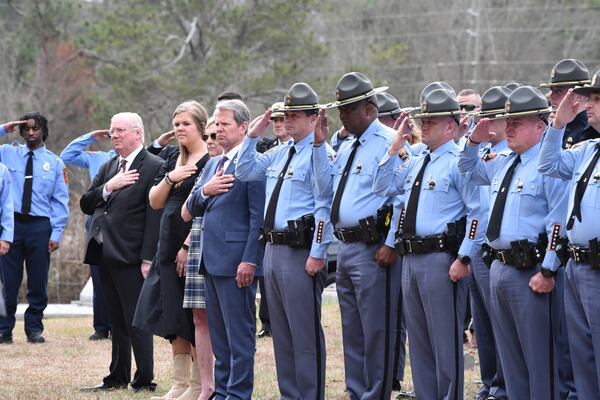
pixel 231 223
pixel 264 143
pixel 129 225
pixel 574 130
pixel 162 152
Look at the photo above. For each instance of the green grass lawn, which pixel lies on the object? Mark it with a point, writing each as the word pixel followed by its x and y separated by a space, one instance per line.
pixel 68 361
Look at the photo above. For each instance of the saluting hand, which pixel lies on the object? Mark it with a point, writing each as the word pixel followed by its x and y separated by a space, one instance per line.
pixel 100 135
pixel 4 247
pixel 165 138
pixel 245 274
pixel 53 245
pixel 321 127
pixel 481 132
pixel 10 126
pixel 259 125
pixel 182 172
pixel 218 184
pixel 403 130
pixel 314 265
pixel 122 180
pixel 571 105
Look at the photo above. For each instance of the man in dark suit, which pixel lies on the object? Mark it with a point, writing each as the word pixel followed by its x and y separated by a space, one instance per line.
pixel 230 254
pixel 122 241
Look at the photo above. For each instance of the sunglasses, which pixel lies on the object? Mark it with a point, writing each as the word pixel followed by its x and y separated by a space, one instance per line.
pixel 468 107
pixel 213 136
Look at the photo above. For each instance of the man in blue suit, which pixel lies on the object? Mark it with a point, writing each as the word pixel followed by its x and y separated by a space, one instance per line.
pixel 230 254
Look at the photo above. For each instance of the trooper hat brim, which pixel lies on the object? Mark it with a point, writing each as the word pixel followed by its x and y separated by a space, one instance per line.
pixel 523 113
pixel 277 114
pixel 305 107
pixel 370 93
pixel 568 83
pixel 586 90
pixel 436 114
pixel 388 113
pixel 490 114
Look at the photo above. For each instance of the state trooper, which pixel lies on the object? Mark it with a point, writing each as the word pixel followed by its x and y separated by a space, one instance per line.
pixel 492 104
pixel 368 273
pixel 579 166
pixel 76 154
pixel 41 210
pixel 525 221
pixel 431 236
pixel 297 232
pixel 565 75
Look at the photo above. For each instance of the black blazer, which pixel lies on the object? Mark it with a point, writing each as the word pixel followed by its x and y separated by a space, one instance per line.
pixel 129 225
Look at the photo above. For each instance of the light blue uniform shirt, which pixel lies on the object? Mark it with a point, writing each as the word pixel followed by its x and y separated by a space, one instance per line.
pixel 535 203
pixel 446 196
pixel 75 154
pixel 358 200
pixel 7 217
pixel 50 197
pixel 570 165
pixel 298 195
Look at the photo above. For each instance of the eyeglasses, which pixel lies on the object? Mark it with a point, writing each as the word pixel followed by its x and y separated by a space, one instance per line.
pixel 468 107
pixel 117 130
pixel 213 136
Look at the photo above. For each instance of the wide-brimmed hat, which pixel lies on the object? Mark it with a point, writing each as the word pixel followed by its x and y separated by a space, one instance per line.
pixel 586 89
pixel 439 103
pixel 525 100
pixel 568 72
pixel 301 97
pixel 434 86
pixel 353 87
pixel 493 102
pixel 277 110
pixel 387 104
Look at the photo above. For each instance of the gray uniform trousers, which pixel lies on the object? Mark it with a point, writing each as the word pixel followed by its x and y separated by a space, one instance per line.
pixel 566 382
pixel 524 325
pixel 582 308
pixel 294 300
pixel 367 294
pixel 400 332
pixel 489 361
pixel 434 308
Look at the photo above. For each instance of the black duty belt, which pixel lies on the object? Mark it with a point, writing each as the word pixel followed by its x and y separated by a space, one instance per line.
pixel 278 237
pixel 520 259
pixel 349 235
pixel 579 254
pixel 422 245
pixel 26 217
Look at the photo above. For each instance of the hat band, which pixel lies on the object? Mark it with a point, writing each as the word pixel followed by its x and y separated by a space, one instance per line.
pixel 565 83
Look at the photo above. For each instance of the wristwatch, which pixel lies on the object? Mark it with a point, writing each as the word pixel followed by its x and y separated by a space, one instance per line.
pixel 464 259
pixel 547 273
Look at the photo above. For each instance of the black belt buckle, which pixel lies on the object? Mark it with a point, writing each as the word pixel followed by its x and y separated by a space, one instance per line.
pixel 500 255
pixel 594 254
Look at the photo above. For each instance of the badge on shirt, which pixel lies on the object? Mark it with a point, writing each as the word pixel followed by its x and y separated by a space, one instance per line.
pixel 431 183
pixel 66 175
pixel 46 166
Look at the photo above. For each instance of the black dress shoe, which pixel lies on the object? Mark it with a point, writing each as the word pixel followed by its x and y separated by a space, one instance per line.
pixel 6 338
pixel 151 387
pixel 99 335
pixel 36 338
pixel 103 387
pixel 263 333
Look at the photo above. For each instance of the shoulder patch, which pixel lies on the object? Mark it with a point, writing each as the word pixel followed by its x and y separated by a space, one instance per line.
pixel 66 175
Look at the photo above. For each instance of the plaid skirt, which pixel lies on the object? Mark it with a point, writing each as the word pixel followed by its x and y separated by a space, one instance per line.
pixel 193 295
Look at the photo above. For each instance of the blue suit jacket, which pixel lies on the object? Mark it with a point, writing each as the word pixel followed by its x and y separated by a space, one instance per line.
pixel 231 222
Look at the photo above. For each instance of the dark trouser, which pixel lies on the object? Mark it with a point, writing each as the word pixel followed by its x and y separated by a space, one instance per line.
pixel 263 308
pixel 101 322
pixel 30 245
pixel 400 346
pixel 231 323
pixel 566 381
pixel 122 284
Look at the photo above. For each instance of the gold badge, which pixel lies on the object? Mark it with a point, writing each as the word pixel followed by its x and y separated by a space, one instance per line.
pixel 288 100
pixel 46 166
pixel 553 73
pixel 431 183
pixel 507 106
pixel 337 94
pixel 594 78
pixel 423 106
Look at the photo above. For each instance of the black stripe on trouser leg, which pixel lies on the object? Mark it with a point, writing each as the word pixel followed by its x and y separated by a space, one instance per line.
pixel 551 346
pixel 317 335
pixel 398 336
pixel 456 349
pixel 388 315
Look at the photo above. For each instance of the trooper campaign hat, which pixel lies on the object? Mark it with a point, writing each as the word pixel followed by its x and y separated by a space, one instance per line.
pixel 353 87
pixel 387 104
pixel 493 102
pixel 301 97
pixel 512 86
pixel 526 100
pixel 277 110
pixel 439 103
pixel 586 89
pixel 434 86
pixel 568 72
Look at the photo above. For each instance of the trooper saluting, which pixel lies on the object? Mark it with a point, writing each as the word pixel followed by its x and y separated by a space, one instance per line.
pixel 526 219
pixel 581 168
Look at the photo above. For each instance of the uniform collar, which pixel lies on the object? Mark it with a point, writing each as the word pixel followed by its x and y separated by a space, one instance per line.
pixel 443 149
pixel 25 151
pixel 307 141
pixel 530 153
pixel 500 146
pixel 373 129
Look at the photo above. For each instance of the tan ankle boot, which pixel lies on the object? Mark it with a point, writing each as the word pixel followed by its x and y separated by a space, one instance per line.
pixel 195 388
pixel 182 364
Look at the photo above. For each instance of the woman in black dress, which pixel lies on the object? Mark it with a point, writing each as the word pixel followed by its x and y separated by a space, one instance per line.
pixel 160 305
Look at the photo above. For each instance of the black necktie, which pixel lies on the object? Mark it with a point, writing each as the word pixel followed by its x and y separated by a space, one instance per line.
pixel 580 189
pixel 337 200
pixel 122 165
pixel 409 227
pixel 28 187
pixel 493 230
pixel 222 162
pixel 272 207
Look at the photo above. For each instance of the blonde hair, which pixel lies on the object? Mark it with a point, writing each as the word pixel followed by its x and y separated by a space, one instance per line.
pixel 199 115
